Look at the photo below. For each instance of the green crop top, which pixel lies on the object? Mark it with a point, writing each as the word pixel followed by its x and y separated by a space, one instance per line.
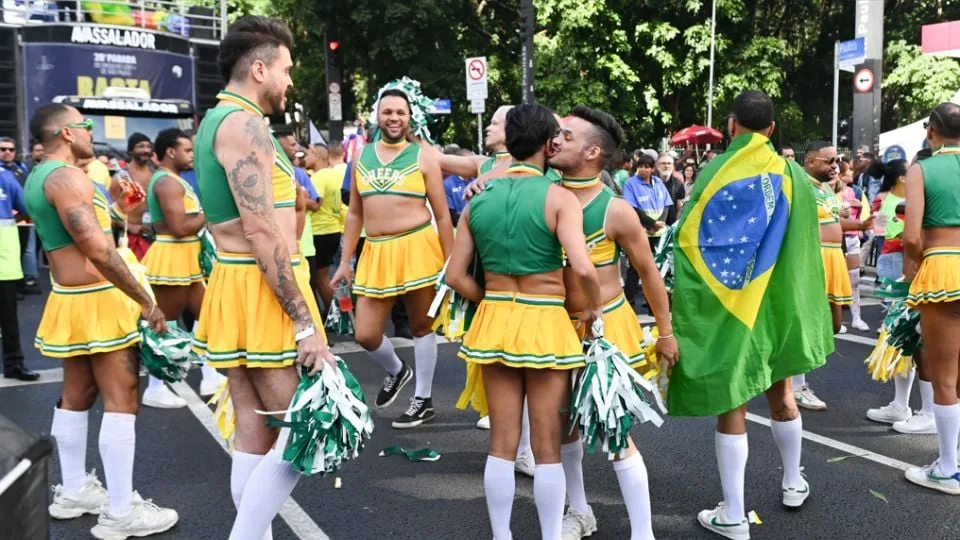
pixel 509 226
pixel 53 235
pixel 941 188
pixel 191 204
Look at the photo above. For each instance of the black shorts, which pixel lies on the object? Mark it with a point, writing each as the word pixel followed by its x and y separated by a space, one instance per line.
pixel 326 246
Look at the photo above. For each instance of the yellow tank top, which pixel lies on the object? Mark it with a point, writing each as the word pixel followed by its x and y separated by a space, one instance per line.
pixel 401 176
pixel 284 181
pixel 828 203
pixel 101 208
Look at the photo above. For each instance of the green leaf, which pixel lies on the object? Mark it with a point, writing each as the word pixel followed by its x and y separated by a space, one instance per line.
pixel 878 495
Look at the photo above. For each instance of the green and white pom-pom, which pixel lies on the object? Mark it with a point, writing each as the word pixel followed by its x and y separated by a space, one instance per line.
pixel 327 421
pixel 892 289
pixel 168 357
pixel 338 322
pixel 208 251
pixel 419 105
pixel 898 342
pixel 609 397
pixel 664 257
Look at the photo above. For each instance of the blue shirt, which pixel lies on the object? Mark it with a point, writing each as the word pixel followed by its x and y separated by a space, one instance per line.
pixel 190 176
pixel 303 179
pixel 454 185
pixel 11 198
pixel 347 175
pixel 650 198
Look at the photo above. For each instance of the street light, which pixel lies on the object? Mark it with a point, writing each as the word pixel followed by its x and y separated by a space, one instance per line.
pixel 713 42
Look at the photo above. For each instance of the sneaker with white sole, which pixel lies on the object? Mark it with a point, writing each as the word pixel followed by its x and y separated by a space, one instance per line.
pixel 143 519
pixel 524 464
pixel 162 397
pixel 483 422
pixel 843 329
pixel 210 385
pixel 931 477
pixel 91 498
pixel 890 414
pixel 392 384
pixel 419 412
pixel 715 521
pixel 576 525
pixel 805 398
pixel 794 497
pixel 860 325
pixel 921 423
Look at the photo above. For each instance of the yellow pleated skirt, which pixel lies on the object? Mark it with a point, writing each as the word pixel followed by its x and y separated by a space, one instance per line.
pixel 241 321
pixel 173 261
pixel 839 289
pixel 522 331
pixel 938 278
pixel 621 327
pixel 88 319
pixel 393 265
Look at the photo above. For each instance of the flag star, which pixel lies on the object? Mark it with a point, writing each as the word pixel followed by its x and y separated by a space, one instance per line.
pixel 726 260
pixel 724 273
pixel 741 252
pixel 743 238
pixel 734 207
pixel 751 186
pixel 729 198
pixel 710 240
pixel 710 221
pixel 752 220
pixel 730 240
pixel 731 249
pixel 714 265
pixel 723 218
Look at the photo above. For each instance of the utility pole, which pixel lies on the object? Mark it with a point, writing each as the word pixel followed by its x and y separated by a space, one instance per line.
pixel 527 29
pixel 334 95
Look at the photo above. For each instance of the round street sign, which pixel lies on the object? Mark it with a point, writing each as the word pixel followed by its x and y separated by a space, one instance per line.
pixel 863 80
pixel 477 69
pixel 334 88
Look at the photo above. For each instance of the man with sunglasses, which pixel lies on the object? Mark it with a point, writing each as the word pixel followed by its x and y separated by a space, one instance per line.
pixel 91 322
pixel 822 164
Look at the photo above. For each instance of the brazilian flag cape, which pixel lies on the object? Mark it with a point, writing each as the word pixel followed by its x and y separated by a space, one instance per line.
pixel 749 307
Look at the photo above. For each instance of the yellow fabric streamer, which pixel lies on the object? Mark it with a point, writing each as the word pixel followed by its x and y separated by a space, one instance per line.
pixel 886 361
pixel 474 393
pixel 224 415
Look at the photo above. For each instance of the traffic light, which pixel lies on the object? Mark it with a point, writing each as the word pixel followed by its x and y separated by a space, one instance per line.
pixel 333 46
pixel 845 132
pixel 334 95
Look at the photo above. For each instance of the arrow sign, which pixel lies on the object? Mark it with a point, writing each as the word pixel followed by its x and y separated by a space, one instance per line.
pixel 863 80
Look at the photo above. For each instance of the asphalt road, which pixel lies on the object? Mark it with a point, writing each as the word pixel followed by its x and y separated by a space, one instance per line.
pixel 181 465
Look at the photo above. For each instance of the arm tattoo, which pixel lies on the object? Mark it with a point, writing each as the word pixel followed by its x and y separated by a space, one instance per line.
pixel 258 134
pixel 115 270
pixel 82 220
pixel 249 188
pixel 290 297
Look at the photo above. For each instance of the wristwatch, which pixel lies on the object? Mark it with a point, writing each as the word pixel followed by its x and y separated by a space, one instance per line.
pixel 305 333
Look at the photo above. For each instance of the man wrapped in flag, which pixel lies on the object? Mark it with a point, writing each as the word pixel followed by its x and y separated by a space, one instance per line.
pixel 749 309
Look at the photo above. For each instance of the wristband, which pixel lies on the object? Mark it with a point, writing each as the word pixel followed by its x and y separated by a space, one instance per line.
pixel 668 336
pixel 305 333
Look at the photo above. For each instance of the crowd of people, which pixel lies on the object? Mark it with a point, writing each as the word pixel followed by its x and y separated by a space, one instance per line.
pixel 563 227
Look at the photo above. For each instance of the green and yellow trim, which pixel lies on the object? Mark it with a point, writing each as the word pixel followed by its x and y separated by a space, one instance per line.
pixel 579 183
pixel 396 290
pixel 534 361
pixel 92 347
pixel 389 237
pixel 82 289
pixel 941 251
pixel 524 169
pixel 523 298
pixel 831 245
pixel 245 258
pixel 174 281
pixel 170 239
pixel 240 101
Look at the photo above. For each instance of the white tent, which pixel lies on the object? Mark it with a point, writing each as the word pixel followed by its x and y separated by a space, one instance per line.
pixel 904 142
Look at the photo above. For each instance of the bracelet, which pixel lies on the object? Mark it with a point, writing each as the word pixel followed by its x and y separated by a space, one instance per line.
pixel 668 336
pixel 304 334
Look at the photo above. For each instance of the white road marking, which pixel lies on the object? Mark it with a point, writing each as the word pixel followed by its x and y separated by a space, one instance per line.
pixel 857 339
pixel 843 447
pixel 298 520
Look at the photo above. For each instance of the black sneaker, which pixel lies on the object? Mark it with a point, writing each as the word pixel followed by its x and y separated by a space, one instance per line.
pixel 392 386
pixel 419 411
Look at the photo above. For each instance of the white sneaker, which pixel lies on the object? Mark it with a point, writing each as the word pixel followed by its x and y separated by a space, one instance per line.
pixel 89 499
pixel 931 477
pixel 921 423
pixel 890 414
pixel 805 398
pixel 860 325
pixel 210 385
pixel 483 422
pixel 143 519
pixel 843 329
pixel 793 497
pixel 524 463
pixel 162 398
pixel 715 521
pixel 576 525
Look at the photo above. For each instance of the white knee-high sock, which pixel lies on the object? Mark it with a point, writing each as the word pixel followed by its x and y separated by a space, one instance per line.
pixel 499 485
pixel 549 493
pixel 789 436
pixel 902 384
pixel 855 287
pixel 948 432
pixel 70 430
pixel 732 461
pixel 571 457
pixel 153 384
pixel 926 396
pixel 635 488
pixel 425 352
pixel 386 357
pixel 524 445
pixel 267 489
pixel 240 471
pixel 118 443
pixel 799 381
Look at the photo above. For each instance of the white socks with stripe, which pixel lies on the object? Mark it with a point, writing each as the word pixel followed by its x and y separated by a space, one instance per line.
pixel 268 488
pixel 387 357
pixel 948 433
pixel 70 430
pixel 789 437
pixel 499 486
pixel 571 457
pixel 732 461
pixel 240 471
pixel 549 493
pixel 425 353
pixel 118 443
pixel 634 486
pixel 902 384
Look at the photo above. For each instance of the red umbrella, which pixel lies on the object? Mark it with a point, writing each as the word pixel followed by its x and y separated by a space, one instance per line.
pixel 695 136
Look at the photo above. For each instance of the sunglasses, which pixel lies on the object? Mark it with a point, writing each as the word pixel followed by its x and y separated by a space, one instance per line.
pixel 830 161
pixel 86 124
pixel 7 149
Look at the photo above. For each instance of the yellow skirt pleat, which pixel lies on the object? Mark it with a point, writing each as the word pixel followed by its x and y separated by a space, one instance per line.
pixel 393 265
pixel 88 319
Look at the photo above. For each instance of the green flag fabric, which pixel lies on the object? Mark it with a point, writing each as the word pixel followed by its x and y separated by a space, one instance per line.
pixel 750 307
